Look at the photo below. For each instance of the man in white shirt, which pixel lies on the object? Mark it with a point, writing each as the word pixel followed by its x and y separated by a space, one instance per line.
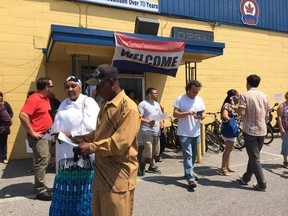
pixel 150 131
pixel 190 110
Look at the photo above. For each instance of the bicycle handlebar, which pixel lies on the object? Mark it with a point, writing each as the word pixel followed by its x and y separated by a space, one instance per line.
pixel 213 113
pixel 273 108
pixel 173 120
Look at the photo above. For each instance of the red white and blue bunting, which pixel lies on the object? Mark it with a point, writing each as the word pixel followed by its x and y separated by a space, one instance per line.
pixel 145 55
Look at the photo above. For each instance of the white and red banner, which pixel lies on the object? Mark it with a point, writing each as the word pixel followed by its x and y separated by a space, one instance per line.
pixel 145 55
pixel 143 5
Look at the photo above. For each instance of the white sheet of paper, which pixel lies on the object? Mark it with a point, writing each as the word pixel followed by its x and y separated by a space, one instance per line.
pixel 66 139
pixel 28 148
pixel 47 136
pixel 80 162
pixel 159 117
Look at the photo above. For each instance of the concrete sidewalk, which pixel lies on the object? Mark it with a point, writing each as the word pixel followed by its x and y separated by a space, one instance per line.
pixel 167 194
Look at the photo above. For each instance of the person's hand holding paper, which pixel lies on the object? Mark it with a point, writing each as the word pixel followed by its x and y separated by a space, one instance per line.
pixel 64 138
pixel 84 146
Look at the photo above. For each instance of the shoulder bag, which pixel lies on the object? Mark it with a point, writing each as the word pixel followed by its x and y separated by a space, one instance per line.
pixel 229 128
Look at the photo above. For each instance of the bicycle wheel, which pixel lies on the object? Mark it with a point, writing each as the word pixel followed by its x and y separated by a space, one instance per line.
pixel 209 127
pixel 169 138
pixel 172 138
pixel 175 138
pixel 214 128
pixel 239 144
pixel 212 142
pixel 269 136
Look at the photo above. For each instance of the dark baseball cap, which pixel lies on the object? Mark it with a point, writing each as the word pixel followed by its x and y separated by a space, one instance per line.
pixel 103 72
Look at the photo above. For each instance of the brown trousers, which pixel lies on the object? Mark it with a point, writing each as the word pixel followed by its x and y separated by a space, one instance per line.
pixel 112 204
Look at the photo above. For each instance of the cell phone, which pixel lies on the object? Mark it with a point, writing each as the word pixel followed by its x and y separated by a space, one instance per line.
pixel 235 99
pixel 199 113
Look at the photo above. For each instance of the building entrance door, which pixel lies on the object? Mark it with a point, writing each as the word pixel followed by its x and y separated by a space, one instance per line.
pixel 135 83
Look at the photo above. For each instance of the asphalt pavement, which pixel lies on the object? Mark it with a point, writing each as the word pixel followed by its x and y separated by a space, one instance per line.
pixel 166 193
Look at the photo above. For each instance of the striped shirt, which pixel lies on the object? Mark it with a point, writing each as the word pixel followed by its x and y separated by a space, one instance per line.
pixel 256 106
pixel 115 145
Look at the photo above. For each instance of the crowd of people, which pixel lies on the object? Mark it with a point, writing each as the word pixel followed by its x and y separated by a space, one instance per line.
pixel 97 169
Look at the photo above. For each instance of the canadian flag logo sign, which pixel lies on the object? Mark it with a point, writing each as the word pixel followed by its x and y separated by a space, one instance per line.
pixel 249 10
pixel 145 55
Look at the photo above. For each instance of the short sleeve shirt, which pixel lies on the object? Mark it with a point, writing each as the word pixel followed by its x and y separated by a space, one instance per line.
pixel 229 108
pixel 256 105
pixel 37 106
pixel 285 116
pixel 188 125
pixel 147 110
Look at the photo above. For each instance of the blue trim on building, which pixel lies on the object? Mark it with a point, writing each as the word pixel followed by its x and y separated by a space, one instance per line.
pixel 106 38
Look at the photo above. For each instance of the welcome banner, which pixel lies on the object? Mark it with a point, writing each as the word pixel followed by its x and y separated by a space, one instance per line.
pixel 145 55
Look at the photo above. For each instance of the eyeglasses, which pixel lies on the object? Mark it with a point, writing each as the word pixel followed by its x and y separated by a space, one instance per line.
pixel 51 86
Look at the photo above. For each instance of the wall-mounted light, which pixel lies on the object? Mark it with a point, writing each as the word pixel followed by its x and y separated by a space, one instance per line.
pixel 215 24
pixel 145 25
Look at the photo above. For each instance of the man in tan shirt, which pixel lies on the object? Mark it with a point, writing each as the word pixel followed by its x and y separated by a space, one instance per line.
pixel 115 146
pixel 254 110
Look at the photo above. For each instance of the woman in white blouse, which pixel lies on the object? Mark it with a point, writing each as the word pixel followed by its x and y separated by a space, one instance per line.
pixel 76 116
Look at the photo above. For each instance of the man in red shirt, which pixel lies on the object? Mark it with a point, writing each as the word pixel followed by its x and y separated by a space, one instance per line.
pixel 36 120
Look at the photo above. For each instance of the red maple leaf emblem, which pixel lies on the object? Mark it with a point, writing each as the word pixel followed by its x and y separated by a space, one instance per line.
pixel 249 9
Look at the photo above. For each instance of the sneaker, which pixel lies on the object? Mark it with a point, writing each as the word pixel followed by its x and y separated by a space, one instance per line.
pixel 49 190
pixel 141 169
pixel 258 188
pixel 241 181
pixel 285 164
pixel 196 178
pixel 45 196
pixel 153 169
pixel 5 161
pixel 192 184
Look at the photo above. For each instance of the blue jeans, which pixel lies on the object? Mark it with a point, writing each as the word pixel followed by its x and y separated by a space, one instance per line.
pixel 189 149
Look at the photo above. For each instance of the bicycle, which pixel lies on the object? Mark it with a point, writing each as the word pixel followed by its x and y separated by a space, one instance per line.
pixel 215 128
pixel 172 138
pixel 270 128
pixel 213 139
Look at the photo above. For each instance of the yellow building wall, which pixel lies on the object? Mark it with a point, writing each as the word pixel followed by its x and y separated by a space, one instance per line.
pixel 24 31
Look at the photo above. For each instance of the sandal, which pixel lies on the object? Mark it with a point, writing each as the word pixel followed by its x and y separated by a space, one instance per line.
pixel 224 172
pixel 231 170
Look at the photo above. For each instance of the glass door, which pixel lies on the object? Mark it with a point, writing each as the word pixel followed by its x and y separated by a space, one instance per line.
pixel 135 83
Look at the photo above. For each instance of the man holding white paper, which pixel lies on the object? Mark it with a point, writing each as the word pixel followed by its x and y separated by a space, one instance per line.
pixel 151 115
